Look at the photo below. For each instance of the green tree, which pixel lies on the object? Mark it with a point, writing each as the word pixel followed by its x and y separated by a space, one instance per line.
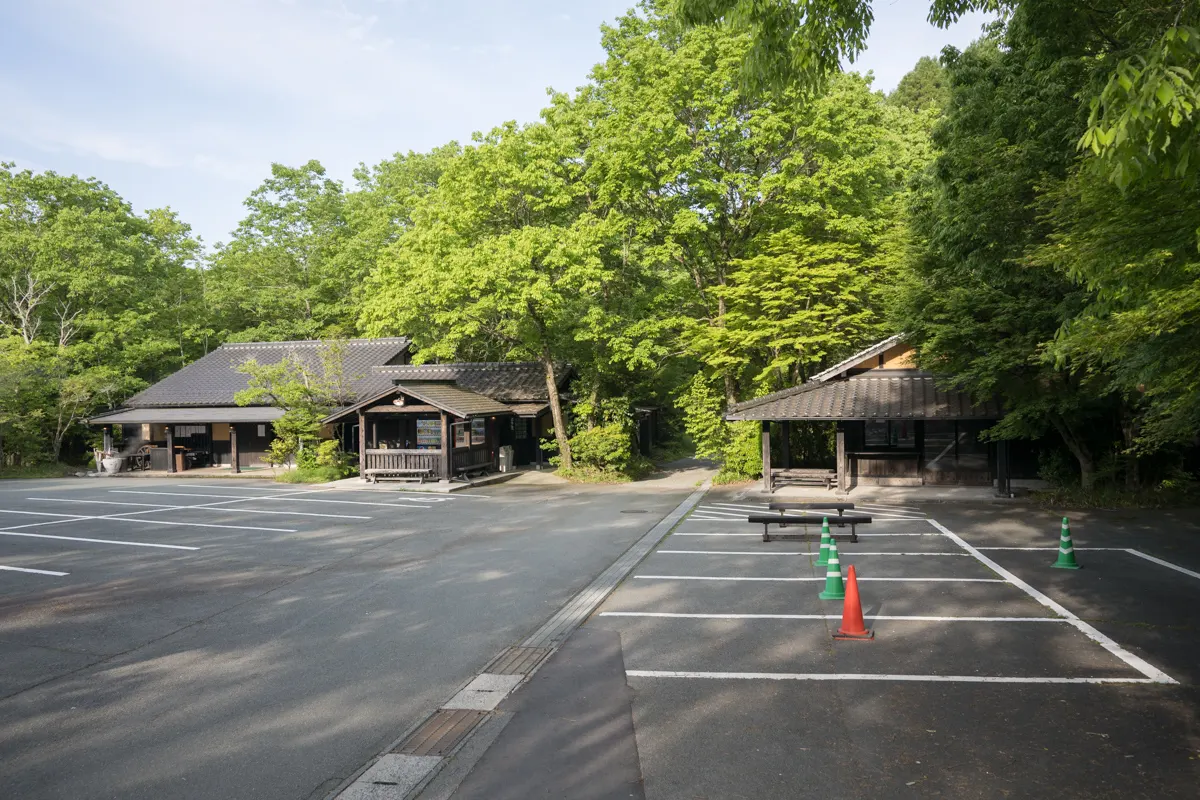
pixel 94 302
pixel 306 392
pixel 924 87
pixel 282 276
pixel 502 258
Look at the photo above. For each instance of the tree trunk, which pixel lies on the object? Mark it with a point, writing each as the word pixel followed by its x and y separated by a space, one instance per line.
pixel 560 428
pixel 1129 432
pixel 1079 449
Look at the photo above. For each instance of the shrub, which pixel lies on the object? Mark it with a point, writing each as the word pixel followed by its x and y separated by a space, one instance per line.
pixel 742 455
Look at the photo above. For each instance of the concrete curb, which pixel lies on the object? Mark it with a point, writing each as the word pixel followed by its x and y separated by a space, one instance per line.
pixel 398 776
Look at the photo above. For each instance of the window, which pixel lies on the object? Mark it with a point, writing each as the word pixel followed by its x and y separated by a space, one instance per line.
pixel 262 431
pixel 520 429
pixel 885 434
pixel 478 431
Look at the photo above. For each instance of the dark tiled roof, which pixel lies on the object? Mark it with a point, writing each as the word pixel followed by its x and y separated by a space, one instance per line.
pixel 213 380
pixel 528 409
pixel 455 400
pixel 509 381
pixel 862 397
pixel 192 414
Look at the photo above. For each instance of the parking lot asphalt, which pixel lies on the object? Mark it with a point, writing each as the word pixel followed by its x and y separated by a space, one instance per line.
pixel 991 675
pixel 192 639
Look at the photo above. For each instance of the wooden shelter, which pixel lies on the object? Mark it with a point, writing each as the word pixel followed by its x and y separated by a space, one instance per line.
pixel 894 425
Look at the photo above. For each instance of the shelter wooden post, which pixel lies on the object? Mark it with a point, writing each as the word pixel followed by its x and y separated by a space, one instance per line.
pixel 766 456
pixel 785 442
pixel 170 448
pixel 447 452
pixel 234 458
pixel 108 439
pixel 843 480
pixel 362 444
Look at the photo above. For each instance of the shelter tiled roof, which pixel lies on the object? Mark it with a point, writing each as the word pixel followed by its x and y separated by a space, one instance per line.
pixel 456 400
pixel 528 409
pixel 191 414
pixel 214 379
pixel 877 396
pixel 508 381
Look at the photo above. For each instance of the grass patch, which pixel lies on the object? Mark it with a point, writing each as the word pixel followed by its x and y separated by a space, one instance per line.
pixel 311 475
pixel 39 471
pixel 1112 497
pixel 592 475
pixel 726 477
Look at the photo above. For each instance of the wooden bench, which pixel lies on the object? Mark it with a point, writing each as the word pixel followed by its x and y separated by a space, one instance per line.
pixel 419 473
pixel 803 477
pixel 783 520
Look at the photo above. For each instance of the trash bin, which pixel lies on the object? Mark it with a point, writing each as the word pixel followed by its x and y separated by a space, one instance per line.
pixel 506 458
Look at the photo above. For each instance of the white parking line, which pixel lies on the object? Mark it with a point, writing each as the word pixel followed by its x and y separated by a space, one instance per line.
pixel 1153 674
pixel 667 615
pixel 289 498
pixel 1129 550
pixel 843 676
pixel 1162 563
pixel 819 578
pixel 34 571
pixel 798 553
pixel 164 507
pixel 96 541
pixel 42 514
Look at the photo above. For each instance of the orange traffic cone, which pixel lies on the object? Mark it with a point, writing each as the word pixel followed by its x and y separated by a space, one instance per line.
pixel 852 617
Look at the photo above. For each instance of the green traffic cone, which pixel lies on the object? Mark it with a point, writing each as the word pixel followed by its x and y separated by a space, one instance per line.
pixel 834 588
pixel 826 538
pixel 1066 550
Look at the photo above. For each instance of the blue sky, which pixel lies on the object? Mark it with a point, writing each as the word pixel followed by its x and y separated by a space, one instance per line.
pixel 186 104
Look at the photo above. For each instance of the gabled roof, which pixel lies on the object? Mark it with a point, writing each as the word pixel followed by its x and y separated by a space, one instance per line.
pixel 509 381
pixel 889 396
pixel 442 395
pixel 862 355
pixel 453 399
pixel 214 379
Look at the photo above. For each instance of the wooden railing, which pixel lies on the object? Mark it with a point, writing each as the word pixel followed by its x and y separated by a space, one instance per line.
pixel 405 459
pixel 470 458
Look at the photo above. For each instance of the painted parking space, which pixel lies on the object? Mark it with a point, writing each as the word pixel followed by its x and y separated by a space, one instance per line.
pixel 728 648
pixel 65 529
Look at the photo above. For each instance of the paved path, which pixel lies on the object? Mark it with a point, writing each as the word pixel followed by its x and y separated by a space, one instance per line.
pixel 186 639
pixel 991 674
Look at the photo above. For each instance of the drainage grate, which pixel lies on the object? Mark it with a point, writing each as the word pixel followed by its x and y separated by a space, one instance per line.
pixel 517 661
pixel 635 511
pixel 441 733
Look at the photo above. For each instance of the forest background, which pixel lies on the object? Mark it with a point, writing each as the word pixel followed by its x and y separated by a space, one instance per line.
pixel 719 213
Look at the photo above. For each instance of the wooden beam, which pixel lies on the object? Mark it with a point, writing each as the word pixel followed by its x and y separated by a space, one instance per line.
pixel 108 439
pixel 171 448
pixel 785 440
pixel 410 409
pixel 843 480
pixel 234 457
pixel 766 456
pixel 447 448
pixel 362 444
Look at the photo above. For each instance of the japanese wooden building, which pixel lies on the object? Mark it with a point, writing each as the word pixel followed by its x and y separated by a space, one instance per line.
pixel 450 418
pixel 894 425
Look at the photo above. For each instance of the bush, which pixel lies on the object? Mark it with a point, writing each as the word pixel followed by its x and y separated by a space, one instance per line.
pixel 742 455
pixel 310 475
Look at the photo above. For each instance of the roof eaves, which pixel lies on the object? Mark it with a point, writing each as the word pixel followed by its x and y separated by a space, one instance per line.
pixel 861 355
